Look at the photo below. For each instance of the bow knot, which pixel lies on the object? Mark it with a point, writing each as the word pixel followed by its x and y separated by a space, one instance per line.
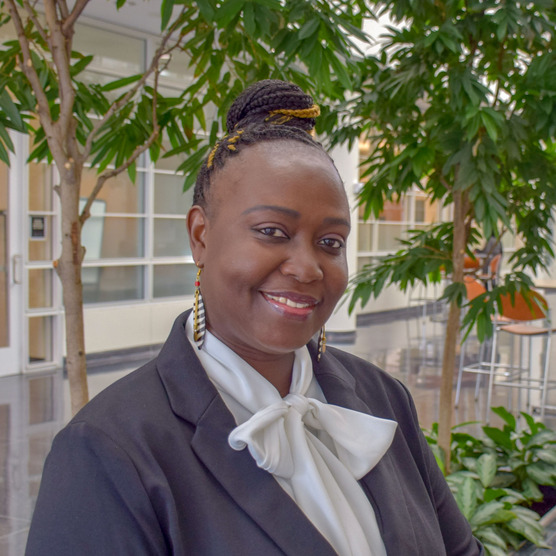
pixel 272 433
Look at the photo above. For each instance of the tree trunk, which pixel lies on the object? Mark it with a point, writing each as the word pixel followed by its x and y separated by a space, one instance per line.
pixel 452 328
pixel 69 270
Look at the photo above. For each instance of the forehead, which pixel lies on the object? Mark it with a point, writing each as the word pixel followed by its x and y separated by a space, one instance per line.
pixel 289 172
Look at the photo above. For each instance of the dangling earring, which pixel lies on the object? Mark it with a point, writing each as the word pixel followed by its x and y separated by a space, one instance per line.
pixel 198 314
pixel 321 343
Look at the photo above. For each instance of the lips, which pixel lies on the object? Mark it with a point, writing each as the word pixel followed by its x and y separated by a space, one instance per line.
pixel 291 304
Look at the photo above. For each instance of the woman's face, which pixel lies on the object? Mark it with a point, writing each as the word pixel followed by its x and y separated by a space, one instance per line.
pixel 272 247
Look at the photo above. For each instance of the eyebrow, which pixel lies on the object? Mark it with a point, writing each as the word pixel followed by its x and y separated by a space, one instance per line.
pixel 330 221
pixel 275 208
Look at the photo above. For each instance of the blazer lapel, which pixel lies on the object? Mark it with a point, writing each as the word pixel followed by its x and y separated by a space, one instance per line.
pixel 194 398
pixel 384 484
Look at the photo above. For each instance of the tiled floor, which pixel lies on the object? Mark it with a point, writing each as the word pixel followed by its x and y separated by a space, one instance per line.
pixel 34 408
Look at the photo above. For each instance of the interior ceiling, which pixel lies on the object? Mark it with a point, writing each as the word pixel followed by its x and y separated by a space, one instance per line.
pixel 142 15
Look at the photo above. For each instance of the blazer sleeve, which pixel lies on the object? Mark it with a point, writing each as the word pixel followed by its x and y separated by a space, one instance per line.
pixel 456 531
pixel 92 501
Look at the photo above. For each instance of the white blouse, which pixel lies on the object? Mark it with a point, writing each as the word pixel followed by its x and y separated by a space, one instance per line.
pixel 316 451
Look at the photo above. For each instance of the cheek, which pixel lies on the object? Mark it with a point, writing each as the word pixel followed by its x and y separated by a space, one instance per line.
pixel 337 276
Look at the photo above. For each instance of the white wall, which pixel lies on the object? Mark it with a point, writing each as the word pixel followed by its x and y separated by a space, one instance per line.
pixel 117 327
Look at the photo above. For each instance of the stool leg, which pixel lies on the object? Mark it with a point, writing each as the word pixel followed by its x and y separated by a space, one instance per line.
pixel 491 373
pixel 544 391
pixel 460 373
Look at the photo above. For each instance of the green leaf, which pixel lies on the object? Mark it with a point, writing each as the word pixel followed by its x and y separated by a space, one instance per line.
pixel 542 473
pixel 11 110
pixel 119 83
pixel 206 8
pixel 486 469
pixel 166 9
pixel 227 11
pixel 499 437
pixel 466 498
pixel 504 414
pixel 4 156
pixel 527 524
pixel 547 455
pixel 491 512
pixel 492 537
pixel 309 28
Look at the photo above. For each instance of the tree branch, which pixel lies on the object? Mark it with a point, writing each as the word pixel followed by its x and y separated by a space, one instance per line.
pixel 63 7
pixel 102 178
pixel 32 14
pixel 30 73
pixel 59 45
pixel 70 19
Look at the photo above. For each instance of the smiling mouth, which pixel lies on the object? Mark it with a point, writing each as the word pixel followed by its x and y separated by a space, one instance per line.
pixel 290 302
pixel 299 308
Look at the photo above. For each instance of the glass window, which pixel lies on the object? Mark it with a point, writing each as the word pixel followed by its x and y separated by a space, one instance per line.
pixel 112 283
pixel 169 197
pixel 113 237
pixel 40 187
pixel 174 280
pixel 419 210
pixel 178 70
pixel 393 212
pixel 171 163
pixel 365 236
pixel 4 257
pixel 388 235
pixel 171 238
pixel 114 52
pixel 40 242
pixel 40 288
pixel 40 339
pixel 119 194
pixel 362 261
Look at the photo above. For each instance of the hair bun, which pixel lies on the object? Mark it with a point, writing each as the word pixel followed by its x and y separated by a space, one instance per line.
pixel 259 101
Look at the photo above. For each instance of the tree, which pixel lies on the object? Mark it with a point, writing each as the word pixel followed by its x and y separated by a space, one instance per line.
pixel 461 104
pixel 71 121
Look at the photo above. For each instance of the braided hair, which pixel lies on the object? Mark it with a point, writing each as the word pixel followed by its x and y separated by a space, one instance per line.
pixel 269 110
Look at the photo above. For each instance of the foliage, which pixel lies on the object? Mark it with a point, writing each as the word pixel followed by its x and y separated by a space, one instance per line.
pixel 228 46
pixel 461 98
pixel 496 477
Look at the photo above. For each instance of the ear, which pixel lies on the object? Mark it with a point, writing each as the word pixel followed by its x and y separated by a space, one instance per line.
pixel 197 224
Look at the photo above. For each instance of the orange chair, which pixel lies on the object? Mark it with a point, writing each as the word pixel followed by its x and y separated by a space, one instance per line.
pixel 471 264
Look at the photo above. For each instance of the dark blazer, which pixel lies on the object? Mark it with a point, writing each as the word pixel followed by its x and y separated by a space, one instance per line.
pixel 145 469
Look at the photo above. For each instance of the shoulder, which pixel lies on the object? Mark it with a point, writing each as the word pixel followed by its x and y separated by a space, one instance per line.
pixel 383 395
pixel 368 377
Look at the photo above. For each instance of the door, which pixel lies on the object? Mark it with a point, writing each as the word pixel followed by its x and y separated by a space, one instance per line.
pixel 11 271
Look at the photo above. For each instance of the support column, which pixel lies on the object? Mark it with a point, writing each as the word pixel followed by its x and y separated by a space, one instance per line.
pixel 341 326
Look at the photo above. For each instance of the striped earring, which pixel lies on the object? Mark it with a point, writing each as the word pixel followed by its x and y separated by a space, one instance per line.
pixel 198 313
pixel 321 343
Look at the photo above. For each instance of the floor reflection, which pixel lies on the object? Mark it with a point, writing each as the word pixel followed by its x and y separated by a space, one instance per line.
pixel 34 408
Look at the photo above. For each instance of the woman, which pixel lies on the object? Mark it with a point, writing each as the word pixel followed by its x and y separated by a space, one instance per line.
pixel 244 436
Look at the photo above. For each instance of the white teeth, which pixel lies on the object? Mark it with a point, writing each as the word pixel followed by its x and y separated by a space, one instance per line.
pixel 288 302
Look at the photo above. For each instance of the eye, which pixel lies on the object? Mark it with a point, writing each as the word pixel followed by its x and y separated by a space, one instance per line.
pixel 271 231
pixel 332 243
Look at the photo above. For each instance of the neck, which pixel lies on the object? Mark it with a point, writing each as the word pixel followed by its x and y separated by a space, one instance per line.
pixel 278 370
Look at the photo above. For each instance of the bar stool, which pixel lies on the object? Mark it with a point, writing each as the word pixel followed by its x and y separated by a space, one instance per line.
pixel 524 309
pixel 516 317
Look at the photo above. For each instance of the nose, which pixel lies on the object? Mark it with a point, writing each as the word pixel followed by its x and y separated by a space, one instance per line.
pixel 302 264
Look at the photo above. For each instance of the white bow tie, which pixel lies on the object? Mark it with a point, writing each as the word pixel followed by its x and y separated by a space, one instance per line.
pixel 360 440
